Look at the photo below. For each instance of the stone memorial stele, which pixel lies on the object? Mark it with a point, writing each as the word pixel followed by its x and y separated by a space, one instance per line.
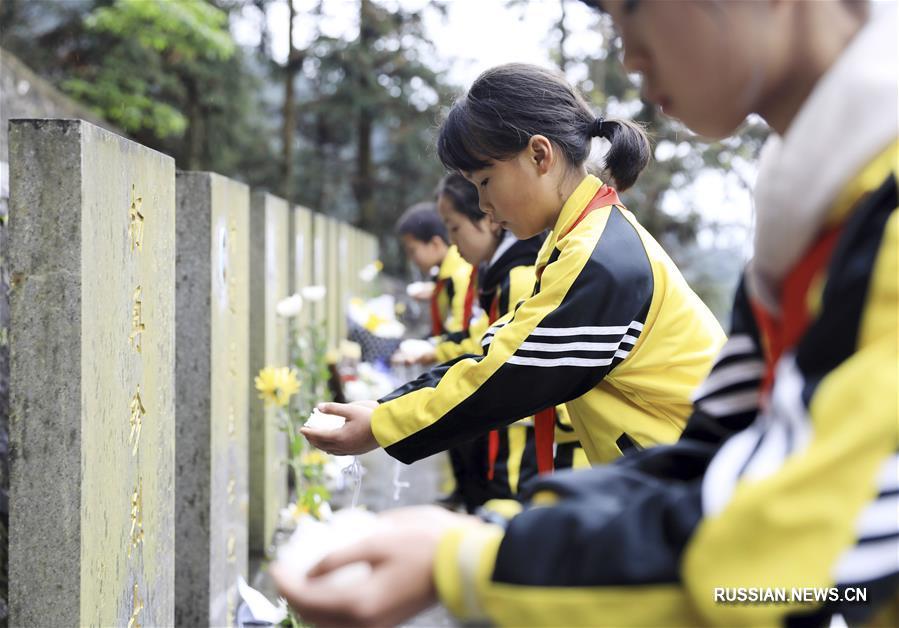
pixel 92 257
pixel 269 270
pixel 213 393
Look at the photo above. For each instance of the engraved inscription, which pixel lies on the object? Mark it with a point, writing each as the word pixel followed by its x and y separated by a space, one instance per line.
pixel 232 546
pixel 137 517
pixel 137 323
pixel 136 221
pixel 136 420
pixel 137 605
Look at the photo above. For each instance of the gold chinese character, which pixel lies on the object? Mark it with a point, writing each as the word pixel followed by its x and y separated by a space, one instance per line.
pixel 232 544
pixel 136 221
pixel 232 484
pixel 137 323
pixel 137 518
pixel 136 421
pixel 138 606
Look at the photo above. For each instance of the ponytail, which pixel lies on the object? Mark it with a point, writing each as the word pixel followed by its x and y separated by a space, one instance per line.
pixel 629 153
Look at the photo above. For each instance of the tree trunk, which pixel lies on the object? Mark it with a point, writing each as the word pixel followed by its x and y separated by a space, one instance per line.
pixel 194 132
pixel 294 62
pixel 363 181
pixel 563 37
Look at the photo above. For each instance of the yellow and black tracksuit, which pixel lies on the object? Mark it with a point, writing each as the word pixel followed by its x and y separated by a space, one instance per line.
pixel 448 299
pixel 494 466
pixel 786 476
pixel 612 330
pixel 449 322
pixel 502 284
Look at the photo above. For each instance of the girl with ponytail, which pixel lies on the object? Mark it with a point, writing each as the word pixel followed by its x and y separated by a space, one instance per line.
pixel 610 329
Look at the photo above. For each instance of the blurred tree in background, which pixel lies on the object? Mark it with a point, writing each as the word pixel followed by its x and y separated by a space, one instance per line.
pixel 346 124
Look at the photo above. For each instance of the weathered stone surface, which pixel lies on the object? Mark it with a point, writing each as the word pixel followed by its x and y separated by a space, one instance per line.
pixel 333 262
pixel 269 269
pixel 92 220
pixel 212 391
pixel 302 257
pixel 319 263
pixel 346 269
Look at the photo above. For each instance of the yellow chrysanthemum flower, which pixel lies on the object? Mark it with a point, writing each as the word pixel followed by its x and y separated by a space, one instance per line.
pixel 277 385
pixel 374 321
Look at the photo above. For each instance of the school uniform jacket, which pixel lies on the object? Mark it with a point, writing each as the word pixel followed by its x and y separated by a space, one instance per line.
pixel 612 330
pixel 501 284
pixel 448 299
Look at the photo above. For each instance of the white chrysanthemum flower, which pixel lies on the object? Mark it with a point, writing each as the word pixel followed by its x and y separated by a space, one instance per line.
pixel 321 421
pixel 313 294
pixel 313 540
pixel 370 271
pixel 290 307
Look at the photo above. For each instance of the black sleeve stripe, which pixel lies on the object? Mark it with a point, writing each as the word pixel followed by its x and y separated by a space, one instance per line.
pixel 749 370
pixel 833 337
pixel 428 379
pixel 611 293
pixel 730 408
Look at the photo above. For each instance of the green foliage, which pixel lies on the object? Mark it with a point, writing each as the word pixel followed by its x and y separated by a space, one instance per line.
pixel 308 357
pixel 165 71
pixel 182 29
pixel 154 51
pixel 124 101
pixel 365 120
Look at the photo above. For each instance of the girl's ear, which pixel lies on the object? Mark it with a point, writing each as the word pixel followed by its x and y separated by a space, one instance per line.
pixel 541 153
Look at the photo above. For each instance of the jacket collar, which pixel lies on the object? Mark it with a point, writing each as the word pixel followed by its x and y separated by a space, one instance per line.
pixel 582 195
pixel 847 120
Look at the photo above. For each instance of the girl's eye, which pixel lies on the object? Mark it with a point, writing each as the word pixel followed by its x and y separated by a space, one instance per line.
pixel 630 6
pixel 484 182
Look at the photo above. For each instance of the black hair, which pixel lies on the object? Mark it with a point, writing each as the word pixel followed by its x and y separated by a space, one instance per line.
pixel 509 104
pixel 463 194
pixel 422 222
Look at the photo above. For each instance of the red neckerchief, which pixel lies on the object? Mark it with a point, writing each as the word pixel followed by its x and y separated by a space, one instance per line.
pixel 545 420
pixel 782 333
pixel 604 197
pixel 470 293
pixel 493 437
pixel 436 320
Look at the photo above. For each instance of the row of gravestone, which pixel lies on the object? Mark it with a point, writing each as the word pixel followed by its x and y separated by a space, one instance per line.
pixel 144 468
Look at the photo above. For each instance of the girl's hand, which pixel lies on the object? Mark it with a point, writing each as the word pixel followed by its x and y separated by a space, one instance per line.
pixel 429 357
pixel 401 583
pixel 354 438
